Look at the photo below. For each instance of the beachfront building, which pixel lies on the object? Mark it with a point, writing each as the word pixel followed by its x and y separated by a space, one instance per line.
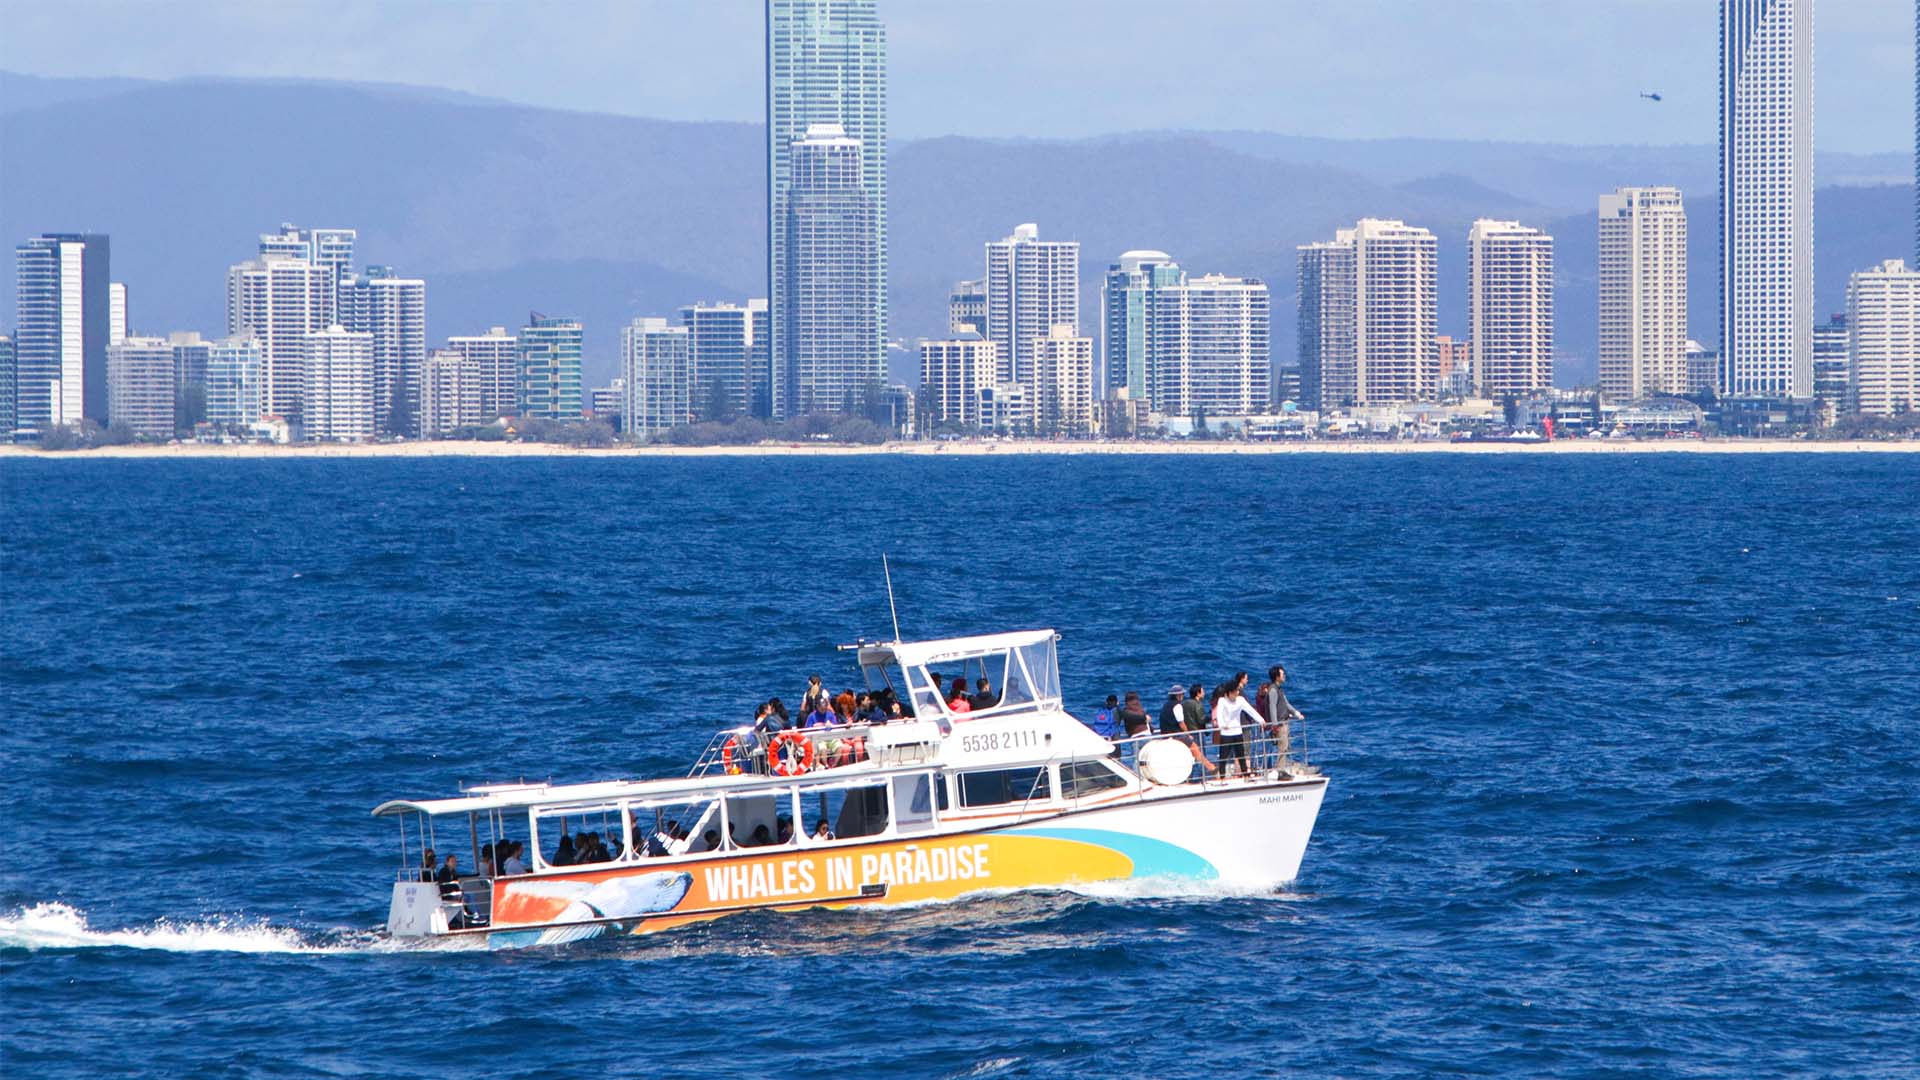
pixel 828 325
pixel 656 366
pixel 451 386
pixel 61 331
pixel 953 373
pixel 235 381
pixel 338 393
pixel 1063 383
pixel 140 386
pixel 1208 349
pixel 1883 321
pixel 1766 197
pixel 721 344
pixel 394 310
pixel 1033 285
pixel 1509 308
pixel 9 417
pixel 1367 313
pixel 1832 367
pixel 496 357
pixel 281 299
pixel 1643 294
pixel 547 368
pixel 1126 319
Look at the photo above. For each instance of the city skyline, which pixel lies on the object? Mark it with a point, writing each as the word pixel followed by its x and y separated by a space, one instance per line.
pixel 826 331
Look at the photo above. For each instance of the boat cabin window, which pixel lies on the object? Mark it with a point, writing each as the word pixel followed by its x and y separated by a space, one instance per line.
pixel 1079 778
pixel 676 828
pixel 762 819
pixel 862 811
pixel 913 803
pixel 998 787
pixel 581 836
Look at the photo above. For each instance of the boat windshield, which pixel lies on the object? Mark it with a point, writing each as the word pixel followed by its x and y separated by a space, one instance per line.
pixel 1017 677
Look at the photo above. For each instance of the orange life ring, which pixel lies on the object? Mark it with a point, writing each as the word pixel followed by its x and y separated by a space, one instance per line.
pixel 778 761
pixel 726 756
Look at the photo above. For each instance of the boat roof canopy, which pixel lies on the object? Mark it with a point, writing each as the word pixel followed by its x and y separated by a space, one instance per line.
pixel 950 650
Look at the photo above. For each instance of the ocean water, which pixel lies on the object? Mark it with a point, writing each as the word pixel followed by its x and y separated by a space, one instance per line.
pixel 1625 756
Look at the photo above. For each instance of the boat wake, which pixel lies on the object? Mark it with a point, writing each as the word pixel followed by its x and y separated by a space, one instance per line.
pixel 60 926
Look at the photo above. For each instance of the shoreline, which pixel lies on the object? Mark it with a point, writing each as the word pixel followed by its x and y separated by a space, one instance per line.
pixel 1014 447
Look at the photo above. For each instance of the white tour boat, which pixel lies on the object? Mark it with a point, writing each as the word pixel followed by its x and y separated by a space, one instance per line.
pixel 1016 794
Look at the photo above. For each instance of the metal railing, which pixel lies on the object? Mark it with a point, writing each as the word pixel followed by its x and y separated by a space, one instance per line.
pixel 1263 749
pixel 833 745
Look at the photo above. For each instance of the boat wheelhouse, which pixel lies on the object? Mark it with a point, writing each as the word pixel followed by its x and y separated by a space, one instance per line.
pixel 1014 794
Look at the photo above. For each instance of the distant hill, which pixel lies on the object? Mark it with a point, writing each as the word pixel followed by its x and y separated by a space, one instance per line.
pixel 505 208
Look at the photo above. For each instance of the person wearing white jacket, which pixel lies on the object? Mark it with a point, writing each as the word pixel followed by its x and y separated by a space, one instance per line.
pixel 1231 714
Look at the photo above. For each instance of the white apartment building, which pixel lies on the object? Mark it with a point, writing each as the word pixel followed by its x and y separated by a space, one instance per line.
pixel 1883 323
pixel 280 301
pixel 1063 382
pixel 140 385
pixel 338 393
pixel 656 367
pixel 236 381
pixel 1510 307
pixel 1368 310
pixel 450 394
pixel 1766 197
pixel 116 315
pixel 1209 351
pixel 1033 285
pixel 1643 294
pixel 952 375
pixel 495 353
pixel 394 310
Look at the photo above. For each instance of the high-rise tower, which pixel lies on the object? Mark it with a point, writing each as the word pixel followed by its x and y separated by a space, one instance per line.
pixel 1033 285
pixel 1766 197
pixel 64 324
pixel 826 64
pixel 1510 307
pixel 1643 294
pixel 833 350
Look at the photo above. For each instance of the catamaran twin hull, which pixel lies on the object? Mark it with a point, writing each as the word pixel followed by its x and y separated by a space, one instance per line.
pixel 1249 836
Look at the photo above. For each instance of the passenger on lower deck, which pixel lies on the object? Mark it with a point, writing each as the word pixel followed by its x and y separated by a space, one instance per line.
pixel 512 864
pixel 429 864
pixel 820 830
pixel 448 878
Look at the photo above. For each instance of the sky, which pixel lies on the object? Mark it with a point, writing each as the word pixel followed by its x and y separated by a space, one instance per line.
pixel 1528 70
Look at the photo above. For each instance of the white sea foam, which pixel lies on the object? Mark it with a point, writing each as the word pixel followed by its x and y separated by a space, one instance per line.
pixel 62 926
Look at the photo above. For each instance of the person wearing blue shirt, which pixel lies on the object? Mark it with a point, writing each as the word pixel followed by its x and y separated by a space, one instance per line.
pixel 1104 724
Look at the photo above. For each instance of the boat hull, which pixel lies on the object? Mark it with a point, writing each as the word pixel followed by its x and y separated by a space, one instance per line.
pixel 1241 836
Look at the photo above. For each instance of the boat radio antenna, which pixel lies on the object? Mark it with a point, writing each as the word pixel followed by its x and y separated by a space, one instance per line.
pixel 891 609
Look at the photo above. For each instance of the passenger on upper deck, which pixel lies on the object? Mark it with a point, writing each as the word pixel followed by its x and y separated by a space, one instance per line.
pixel 867 711
pixel 983 695
pixel 1104 724
pixel 957 700
pixel 1229 711
pixel 815 694
pixel 1277 710
pixel 1132 717
pixel 820 716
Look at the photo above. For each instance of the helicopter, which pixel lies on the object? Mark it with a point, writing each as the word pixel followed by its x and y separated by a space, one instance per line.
pixel 1651 95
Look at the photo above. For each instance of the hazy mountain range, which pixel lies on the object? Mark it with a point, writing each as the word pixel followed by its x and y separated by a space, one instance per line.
pixel 505 208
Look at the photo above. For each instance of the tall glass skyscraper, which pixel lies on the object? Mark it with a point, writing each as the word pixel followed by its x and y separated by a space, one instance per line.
pixel 826 64
pixel 1126 320
pixel 1766 197
pixel 60 344
pixel 834 351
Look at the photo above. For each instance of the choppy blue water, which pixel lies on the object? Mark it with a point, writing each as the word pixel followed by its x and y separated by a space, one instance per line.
pixel 1623 752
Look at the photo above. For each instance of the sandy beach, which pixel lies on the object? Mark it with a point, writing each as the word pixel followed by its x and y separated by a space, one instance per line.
pixel 967 448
